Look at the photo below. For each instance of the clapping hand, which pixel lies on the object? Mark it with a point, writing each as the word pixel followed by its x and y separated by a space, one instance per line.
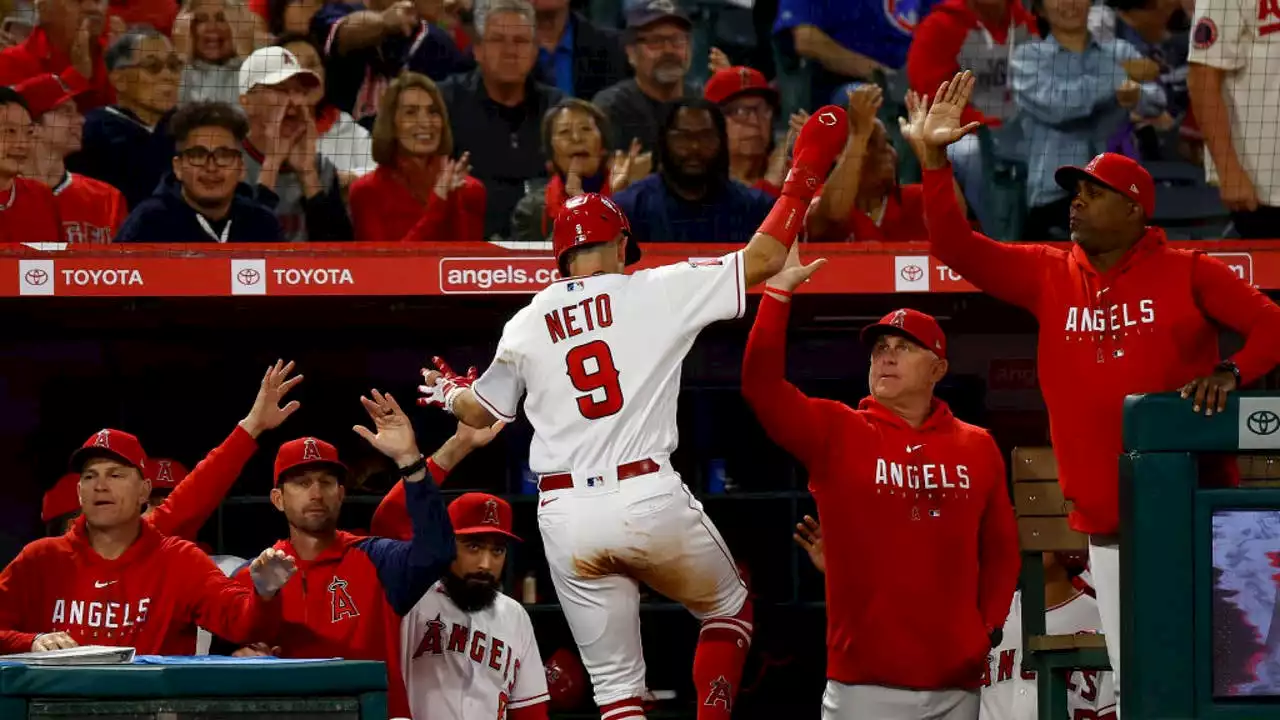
pixel 267 413
pixel 864 104
pixel 808 535
pixel 270 571
pixel 453 175
pixel 628 167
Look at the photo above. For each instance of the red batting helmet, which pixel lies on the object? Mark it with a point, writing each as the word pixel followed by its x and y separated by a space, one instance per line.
pixel 566 680
pixel 590 219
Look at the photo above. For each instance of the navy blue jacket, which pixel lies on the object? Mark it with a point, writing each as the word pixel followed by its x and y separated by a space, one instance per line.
pixel 166 217
pixel 120 150
pixel 730 213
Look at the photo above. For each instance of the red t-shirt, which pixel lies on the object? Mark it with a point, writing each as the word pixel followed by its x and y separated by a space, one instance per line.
pixel 29 213
pixel 384 210
pixel 150 598
pixel 91 211
pixel 902 221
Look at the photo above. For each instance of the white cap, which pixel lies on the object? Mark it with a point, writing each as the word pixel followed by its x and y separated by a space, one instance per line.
pixel 272 66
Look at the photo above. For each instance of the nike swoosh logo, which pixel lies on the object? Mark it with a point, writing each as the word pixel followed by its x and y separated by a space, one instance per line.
pixel 101 585
pixel 547 502
pixel 913 448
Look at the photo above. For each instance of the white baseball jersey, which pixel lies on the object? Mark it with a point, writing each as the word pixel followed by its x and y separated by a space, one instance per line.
pixel 600 358
pixel 1242 37
pixel 1008 693
pixel 460 666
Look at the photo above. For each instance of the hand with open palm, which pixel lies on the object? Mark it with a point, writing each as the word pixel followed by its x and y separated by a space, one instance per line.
pixel 930 132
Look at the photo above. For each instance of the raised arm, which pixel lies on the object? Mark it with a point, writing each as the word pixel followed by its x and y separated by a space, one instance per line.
pixel 798 423
pixel 196 498
pixel 407 569
pixel 819 144
pixel 829 220
pixel 1010 272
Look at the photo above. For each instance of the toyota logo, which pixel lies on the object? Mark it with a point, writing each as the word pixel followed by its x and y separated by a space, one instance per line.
pixel 36 277
pixel 248 276
pixel 911 273
pixel 1263 422
pixel 828 118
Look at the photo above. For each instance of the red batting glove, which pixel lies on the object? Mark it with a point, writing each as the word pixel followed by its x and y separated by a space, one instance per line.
pixel 818 145
pixel 442 385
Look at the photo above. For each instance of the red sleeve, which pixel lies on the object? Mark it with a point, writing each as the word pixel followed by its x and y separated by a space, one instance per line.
pixel 800 424
pixel 15 583
pixel 229 608
pixel 435 225
pixel 198 496
pixel 999 558
pixel 391 518
pixel 1230 301
pixel 529 712
pixel 1010 272
pixel 934 57
pixel 366 215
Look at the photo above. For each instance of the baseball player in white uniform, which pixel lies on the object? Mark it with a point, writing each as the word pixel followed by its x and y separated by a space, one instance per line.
pixel 1010 694
pixel 467 650
pixel 599 355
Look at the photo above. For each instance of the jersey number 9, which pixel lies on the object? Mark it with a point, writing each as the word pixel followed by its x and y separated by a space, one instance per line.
pixel 591 370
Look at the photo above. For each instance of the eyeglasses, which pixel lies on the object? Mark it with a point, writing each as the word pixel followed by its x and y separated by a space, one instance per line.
pixel 748 113
pixel 199 156
pixel 154 65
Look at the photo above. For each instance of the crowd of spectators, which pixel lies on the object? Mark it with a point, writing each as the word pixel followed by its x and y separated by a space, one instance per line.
pixel 469 120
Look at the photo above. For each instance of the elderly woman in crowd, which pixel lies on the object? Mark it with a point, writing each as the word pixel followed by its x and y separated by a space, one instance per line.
pixel 344 142
pixel 417 191
pixel 214 37
pixel 573 137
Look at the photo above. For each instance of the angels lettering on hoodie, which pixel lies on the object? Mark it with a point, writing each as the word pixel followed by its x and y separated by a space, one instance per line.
pixel 150 598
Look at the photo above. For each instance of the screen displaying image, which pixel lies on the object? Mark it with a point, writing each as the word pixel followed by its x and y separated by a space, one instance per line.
pixel 1246 620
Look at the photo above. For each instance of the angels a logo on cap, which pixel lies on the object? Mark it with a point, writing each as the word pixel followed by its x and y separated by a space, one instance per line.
pixel 490 512
pixel 165 472
pixel 899 318
pixel 310 451
pixel 103 439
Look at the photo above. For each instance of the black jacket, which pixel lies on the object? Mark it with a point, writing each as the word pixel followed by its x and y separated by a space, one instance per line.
pixel 119 150
pixel 505 143
pixel 598 59
pixel 166 217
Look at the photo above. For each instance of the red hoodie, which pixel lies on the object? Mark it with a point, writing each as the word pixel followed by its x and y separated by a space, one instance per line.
pixel 150 598
pixel 1146 325
pixel 348 601
pixel 922 544
pixel 384 209
pixel 952 38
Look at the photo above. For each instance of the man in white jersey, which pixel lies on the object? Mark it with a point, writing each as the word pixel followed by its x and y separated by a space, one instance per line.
pixel 467 650
pixel 1008 693
pixel 599 355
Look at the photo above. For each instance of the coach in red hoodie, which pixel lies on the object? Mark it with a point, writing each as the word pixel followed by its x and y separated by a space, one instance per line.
pixel 921 542
pixel 351 590
pixel 112 579
pixel 1120 312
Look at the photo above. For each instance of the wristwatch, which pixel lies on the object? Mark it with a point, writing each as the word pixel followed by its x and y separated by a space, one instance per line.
pixel 1228 366
pixel 414 469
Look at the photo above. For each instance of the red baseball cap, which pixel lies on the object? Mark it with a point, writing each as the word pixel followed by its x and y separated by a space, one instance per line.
pixel 731 82
pixel 307 451
pixel 475 513
pixel 1117 172
pixel 165 474
pixel 913 325
pixel 62 499
pixel 44 93
pixel 115 444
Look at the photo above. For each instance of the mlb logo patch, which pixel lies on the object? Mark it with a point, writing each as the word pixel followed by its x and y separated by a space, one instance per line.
pixel 576 285
pixel 935 513
pixel 593 481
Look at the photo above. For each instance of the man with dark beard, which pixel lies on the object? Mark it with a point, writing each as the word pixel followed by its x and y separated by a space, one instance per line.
pixel 463 646
pixel 350 591
pixel 692 198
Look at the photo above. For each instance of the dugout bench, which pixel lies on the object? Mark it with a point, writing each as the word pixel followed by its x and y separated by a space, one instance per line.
pixel 196 690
